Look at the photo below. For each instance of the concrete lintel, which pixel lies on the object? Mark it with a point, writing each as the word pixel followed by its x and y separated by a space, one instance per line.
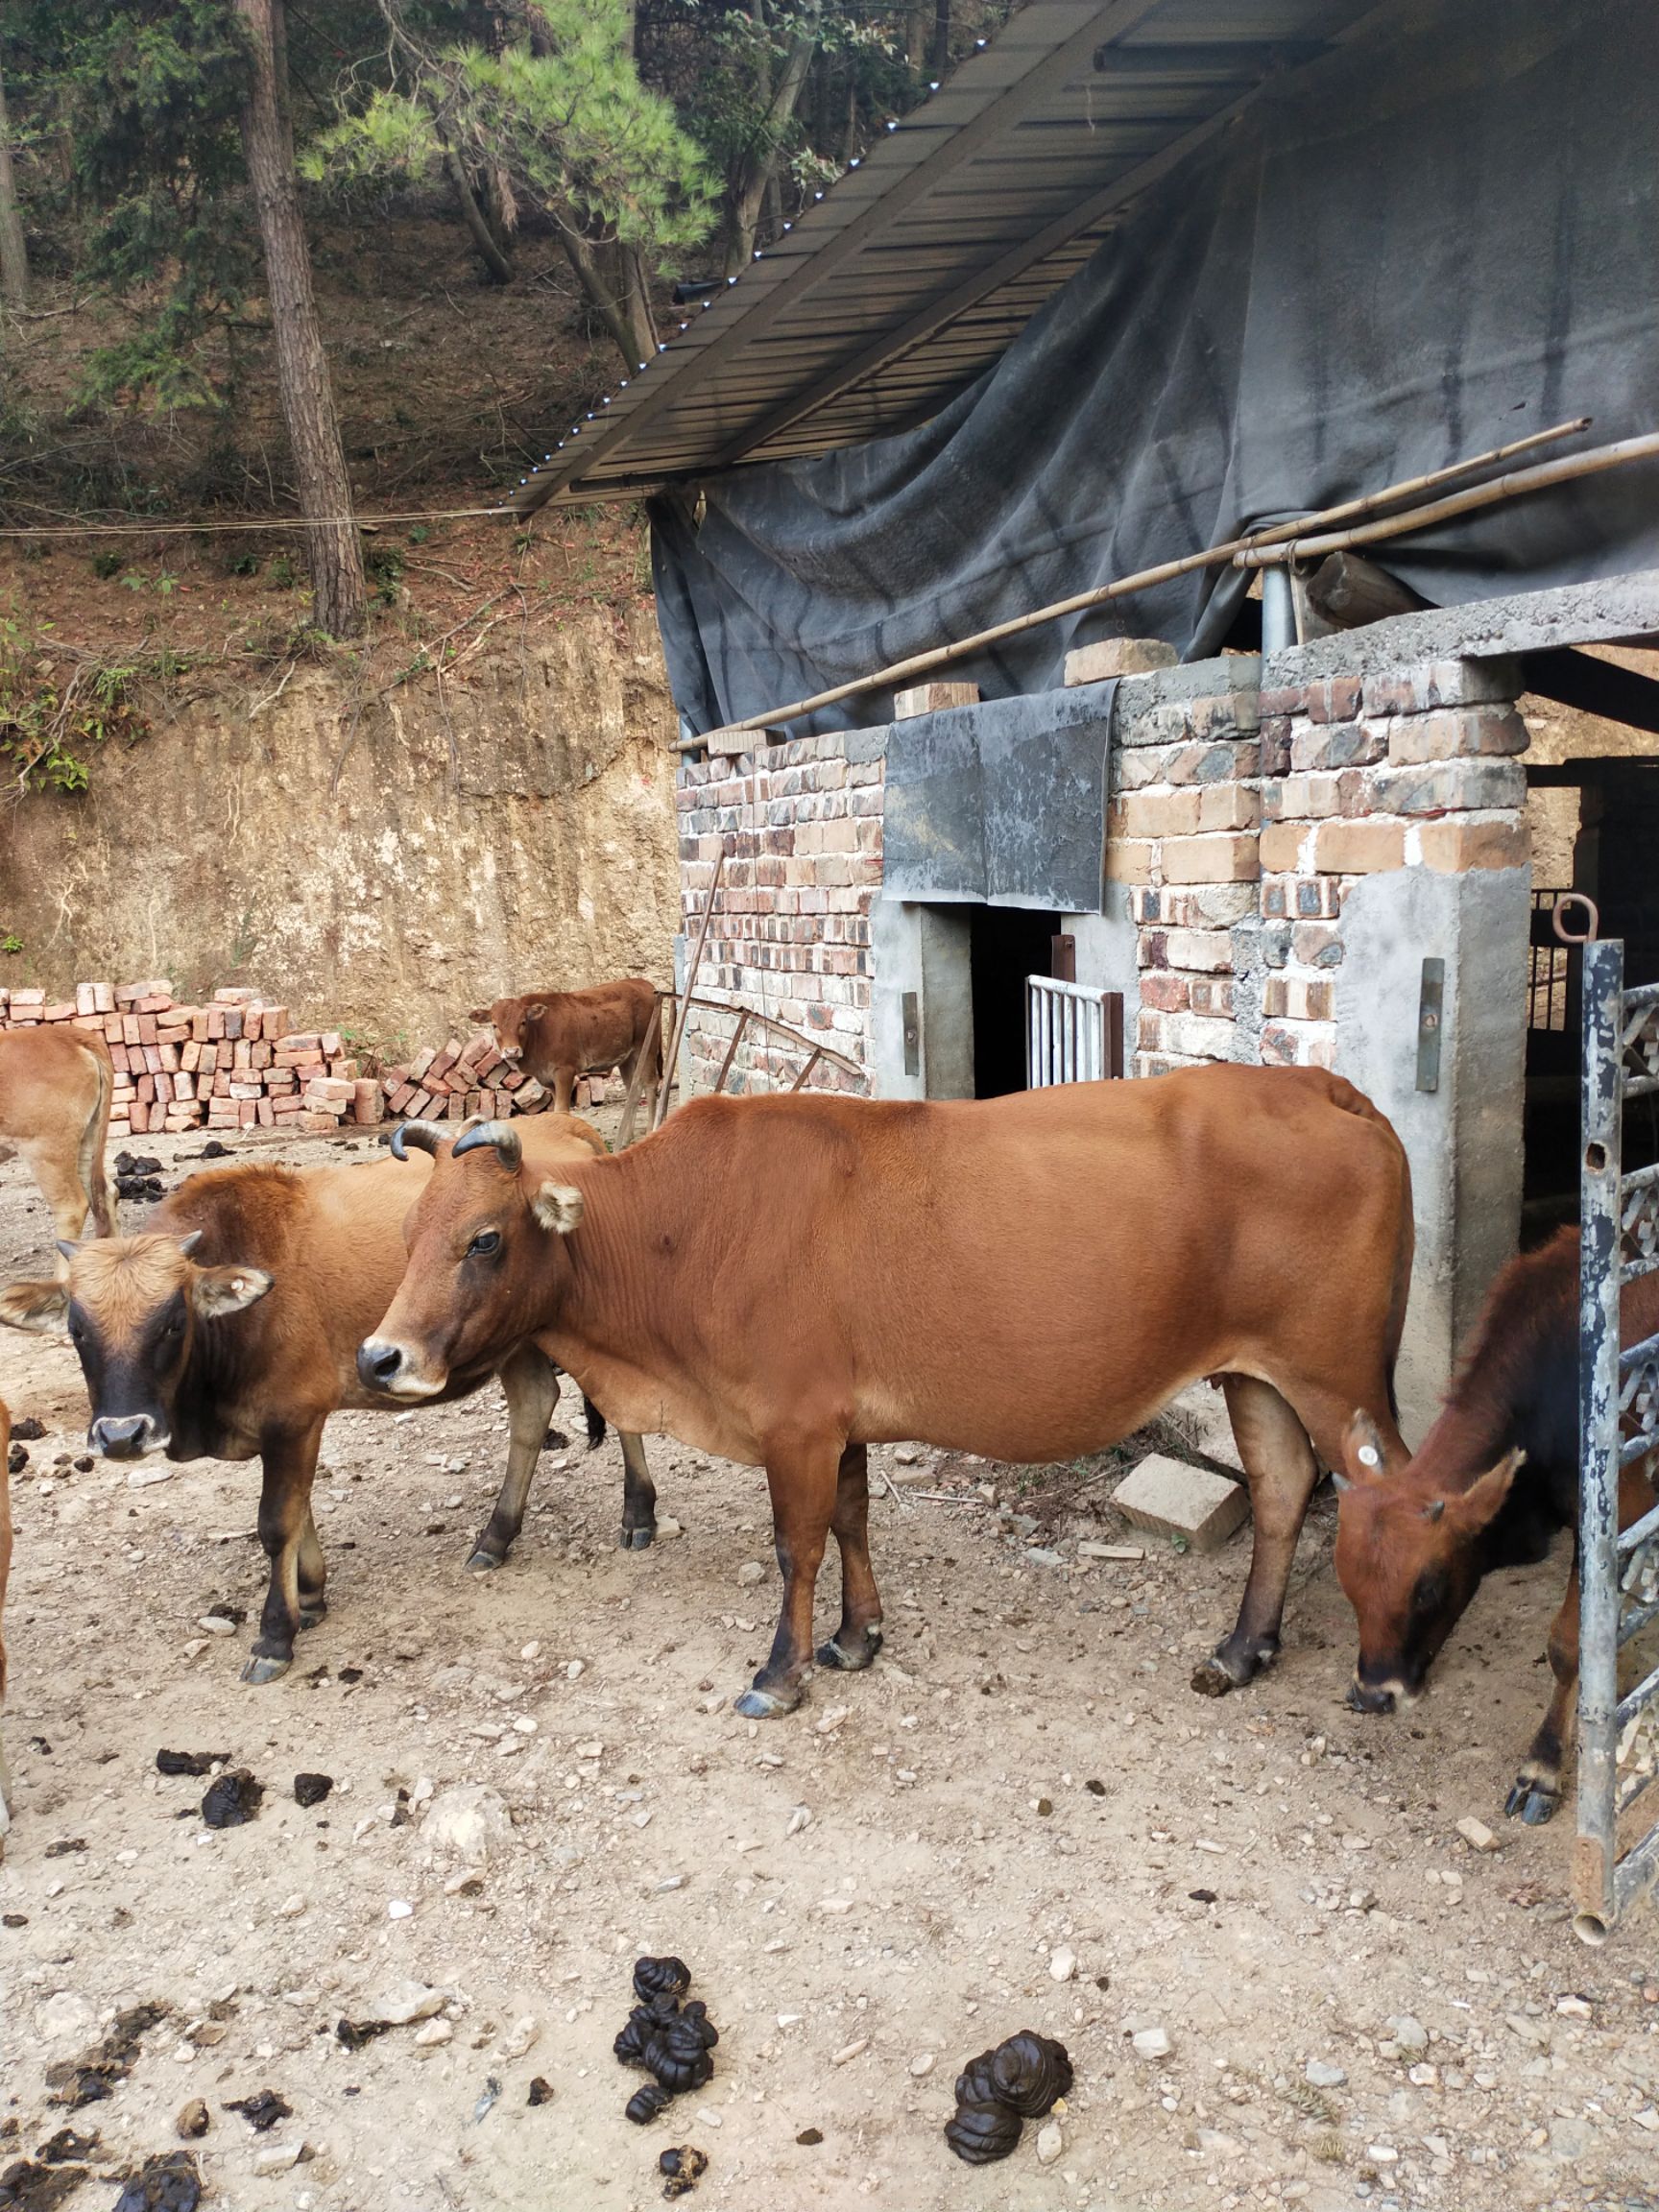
pixel 1601 611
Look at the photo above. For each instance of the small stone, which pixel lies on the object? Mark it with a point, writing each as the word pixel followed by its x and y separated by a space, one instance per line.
pixel 922 2063
pixel 407 2002
pixel 434 2032
pixel 850 2050
pixel 192 2121
pixel 1409 2033
pixel 1322 2075
pixel 400 1909
pixel 146 1477
pixel 667 1525
pixel 519 2037
pixel 1040 1556
pixel 214 1623
pixel 1476 1834
pixel 1574 2008
pixel 1049 2143
pixel 469 1822
pixel 1063 1965
pixel 800 1819
pixel 277 2158
pixel 291 1908
pixel 1424 2077
pixel 1151 2043
pixel 574 1672
pixel 750 1572
pixel 906 1454
pixel 65 2014
pixel 532 1649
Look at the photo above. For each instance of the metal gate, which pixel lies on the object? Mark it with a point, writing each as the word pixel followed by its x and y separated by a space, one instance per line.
pixel 1074 1033
pixel 1617 1855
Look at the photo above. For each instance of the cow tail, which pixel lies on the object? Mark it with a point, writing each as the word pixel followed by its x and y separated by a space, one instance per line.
pixel 596 1423
pixel 1347 1099
pixel 92 1159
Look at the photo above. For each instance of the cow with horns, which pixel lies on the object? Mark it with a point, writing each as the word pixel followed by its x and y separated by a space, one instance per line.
pixel 785 1281
pixel 1493 1482
pixel 229 1330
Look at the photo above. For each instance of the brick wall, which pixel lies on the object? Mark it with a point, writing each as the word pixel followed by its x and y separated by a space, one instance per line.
pixel 801 825
pixel 1243 819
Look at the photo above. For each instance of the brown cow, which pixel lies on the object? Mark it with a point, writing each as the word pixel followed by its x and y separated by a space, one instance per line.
pixel 558 1035
pixel 4 1572
pixel 785 1281
pixel 1495 1479
pixel 231 1330
pixel 55 1090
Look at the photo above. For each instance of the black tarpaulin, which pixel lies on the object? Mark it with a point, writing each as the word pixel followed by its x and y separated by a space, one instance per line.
pixel 1427 245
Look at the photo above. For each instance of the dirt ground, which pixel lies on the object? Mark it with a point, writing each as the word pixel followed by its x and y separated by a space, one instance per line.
pixel 867 1893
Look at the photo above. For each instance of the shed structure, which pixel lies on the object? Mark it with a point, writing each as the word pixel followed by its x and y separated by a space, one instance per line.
pixel 1144 274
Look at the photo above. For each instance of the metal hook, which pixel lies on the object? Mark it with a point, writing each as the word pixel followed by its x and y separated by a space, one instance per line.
pixel 1590 933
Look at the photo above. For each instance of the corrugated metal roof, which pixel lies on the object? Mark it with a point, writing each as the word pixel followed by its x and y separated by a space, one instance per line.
pixel 917 268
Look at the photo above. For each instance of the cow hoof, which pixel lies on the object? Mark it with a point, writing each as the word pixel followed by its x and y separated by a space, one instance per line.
pixel 854 1661
pixel 1535 1801
pixel 262 1670
pixel 311 1615
pixel 764 1704
pixel 638 1539
pixel 1212 1680
pixel 484 1562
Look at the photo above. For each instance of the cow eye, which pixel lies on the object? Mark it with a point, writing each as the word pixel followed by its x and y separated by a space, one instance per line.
pixel 486 1241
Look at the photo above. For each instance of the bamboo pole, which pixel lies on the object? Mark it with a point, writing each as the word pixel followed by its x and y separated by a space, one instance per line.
pixel 1166 571
pixel 684 1010
pixel 1514 486
pixel 638 1080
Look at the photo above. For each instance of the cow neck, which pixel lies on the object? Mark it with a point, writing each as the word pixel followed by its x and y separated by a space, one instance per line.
pixel 628 1205
pixel 212 1383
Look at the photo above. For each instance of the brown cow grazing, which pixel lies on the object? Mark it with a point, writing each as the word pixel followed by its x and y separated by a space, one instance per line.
pixel 1495 1479
pixel 558 1035
pixel 785 1281
pixel 230 1331
pixel 4 1570
pixel 55 1090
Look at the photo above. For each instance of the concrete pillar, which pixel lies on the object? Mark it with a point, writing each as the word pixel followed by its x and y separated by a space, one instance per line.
pixel 921 951
pixel 1464 1137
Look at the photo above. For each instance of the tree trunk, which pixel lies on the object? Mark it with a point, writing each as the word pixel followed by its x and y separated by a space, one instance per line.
pixel 939 53
pixel 333 549
pixel 614 284
pixel 916 30
pixel 756 178
pixel 14 253
pixel 500 268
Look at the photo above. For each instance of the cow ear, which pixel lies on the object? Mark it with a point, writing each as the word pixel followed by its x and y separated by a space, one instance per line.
pixel 558 1208
pixel 217 1290
pixel 1363 1453
pixel 1480 1504
pixel 479 1013
pixel 536 1012
pixel 40 1307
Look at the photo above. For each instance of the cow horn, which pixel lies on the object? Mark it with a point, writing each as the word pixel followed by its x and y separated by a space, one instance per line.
pixel 498 1134
pixel 425 1136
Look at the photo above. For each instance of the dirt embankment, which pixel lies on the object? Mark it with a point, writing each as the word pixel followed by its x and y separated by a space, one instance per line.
pixel 384 855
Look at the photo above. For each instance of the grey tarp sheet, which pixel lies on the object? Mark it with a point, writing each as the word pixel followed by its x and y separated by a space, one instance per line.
pixel 1422 247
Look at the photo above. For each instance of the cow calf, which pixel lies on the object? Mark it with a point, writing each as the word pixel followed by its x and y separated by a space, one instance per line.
pixel 558 1035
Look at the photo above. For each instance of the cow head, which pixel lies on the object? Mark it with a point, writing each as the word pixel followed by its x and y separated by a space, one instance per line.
pixel 487 1265
pixel 512 1020
pixel 132 1306
pixel 1409 1557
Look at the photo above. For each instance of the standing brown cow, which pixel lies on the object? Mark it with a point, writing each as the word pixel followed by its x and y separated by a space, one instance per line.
pixel 4 1570
pixel 785 1281
pixel 55 1090
pixel 1493 1482
pixel 558 1035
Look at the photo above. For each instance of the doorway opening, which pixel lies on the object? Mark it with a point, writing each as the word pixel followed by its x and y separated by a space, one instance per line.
pixel 1006 944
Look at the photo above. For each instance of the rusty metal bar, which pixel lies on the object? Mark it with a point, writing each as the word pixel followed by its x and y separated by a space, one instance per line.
pixel 799 1083
pixel 691 966
pixel 638 1080
pixel 732 1050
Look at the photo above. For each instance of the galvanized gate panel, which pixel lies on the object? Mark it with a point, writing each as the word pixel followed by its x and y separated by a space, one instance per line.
pixel 1619 1425
pixel 1073 1032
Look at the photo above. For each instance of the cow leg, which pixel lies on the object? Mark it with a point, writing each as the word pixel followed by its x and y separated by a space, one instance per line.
pixel 531 1382
pixel 639 1494
pixel 312 1574
pixel 1537 1789
pixel 284 1526
pixel 803 1483
pixel 66 1196
pixel 858 1639
pixel 564 1088
pixel 1279 1462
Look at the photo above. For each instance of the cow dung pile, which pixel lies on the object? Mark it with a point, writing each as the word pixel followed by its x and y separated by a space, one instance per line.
pixel 999 2090
pixel 667 2036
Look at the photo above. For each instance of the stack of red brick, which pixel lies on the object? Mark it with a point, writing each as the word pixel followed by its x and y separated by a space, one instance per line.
pixel 237 1063
pixel 462 1080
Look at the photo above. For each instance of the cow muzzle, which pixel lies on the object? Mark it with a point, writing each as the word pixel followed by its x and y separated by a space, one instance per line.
pixel 1376 1697
pixel 390 1369
pixel 127 1436
pixel 511 1051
